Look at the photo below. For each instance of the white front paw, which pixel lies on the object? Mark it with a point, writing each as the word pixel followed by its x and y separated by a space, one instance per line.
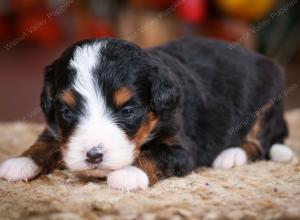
pixel 129 178
pixel 229 158
pixel 20 168
pixel 281 153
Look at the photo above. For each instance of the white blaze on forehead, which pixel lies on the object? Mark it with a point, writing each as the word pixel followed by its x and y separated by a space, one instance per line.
pixel 96 126
pixel 84 61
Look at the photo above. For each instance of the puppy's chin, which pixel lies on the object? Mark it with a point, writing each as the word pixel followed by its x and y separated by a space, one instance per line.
pixel 98 173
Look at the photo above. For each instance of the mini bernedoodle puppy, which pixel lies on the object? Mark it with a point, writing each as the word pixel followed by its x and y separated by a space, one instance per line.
pixel 137 116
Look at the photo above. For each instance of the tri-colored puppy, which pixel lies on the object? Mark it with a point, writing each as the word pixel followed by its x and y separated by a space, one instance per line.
pixel 138 115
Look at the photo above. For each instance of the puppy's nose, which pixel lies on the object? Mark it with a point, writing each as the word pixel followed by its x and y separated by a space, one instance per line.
pixel 94 155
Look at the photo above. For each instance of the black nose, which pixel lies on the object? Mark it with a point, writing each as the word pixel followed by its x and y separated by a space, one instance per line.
pixel 94 155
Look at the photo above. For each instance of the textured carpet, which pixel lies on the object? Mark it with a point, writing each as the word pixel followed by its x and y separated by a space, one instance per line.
pixel 261 190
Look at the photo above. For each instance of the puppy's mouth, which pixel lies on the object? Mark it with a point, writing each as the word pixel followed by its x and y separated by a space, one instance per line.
pixel 94 171
pixel 96 166
pixel 92 166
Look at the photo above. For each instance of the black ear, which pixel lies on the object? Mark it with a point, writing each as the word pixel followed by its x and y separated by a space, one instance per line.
pixel 164 93
pixel 46 95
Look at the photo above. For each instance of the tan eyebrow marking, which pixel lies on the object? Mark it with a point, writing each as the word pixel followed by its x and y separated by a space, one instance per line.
pixel 122 95
pixel 68 97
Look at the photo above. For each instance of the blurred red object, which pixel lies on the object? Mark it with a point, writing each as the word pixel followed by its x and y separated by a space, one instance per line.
pixel 103 29
pixel 192 11
pixel 5 33
pixel 26 5
pixel 160 4
pixel 39 28
pixel 89 26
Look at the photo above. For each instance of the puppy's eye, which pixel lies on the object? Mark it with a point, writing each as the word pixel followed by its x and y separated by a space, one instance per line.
pixel 66 113
pixel 127 112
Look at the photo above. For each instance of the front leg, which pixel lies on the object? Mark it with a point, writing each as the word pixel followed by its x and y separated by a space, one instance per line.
pixel 41 157
pixel 151 166
pixel 129 178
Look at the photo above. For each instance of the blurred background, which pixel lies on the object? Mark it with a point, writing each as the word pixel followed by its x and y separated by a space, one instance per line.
pixel 35 32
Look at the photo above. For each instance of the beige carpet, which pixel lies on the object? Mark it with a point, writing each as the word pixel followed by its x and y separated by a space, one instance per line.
pixel 262 190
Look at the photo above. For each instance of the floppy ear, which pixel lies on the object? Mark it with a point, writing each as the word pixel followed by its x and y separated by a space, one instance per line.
pixel 164 93
pixel 46 96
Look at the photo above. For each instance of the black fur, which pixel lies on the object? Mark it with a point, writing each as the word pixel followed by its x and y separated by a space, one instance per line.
pixel 202 91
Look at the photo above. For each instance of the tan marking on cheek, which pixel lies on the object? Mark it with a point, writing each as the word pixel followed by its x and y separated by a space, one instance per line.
pixel 122 95
pixel 68 98
pixel 252 143
pixel 145 130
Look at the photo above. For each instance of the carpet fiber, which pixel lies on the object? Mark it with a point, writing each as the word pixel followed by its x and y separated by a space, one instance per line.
pixel 261 190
